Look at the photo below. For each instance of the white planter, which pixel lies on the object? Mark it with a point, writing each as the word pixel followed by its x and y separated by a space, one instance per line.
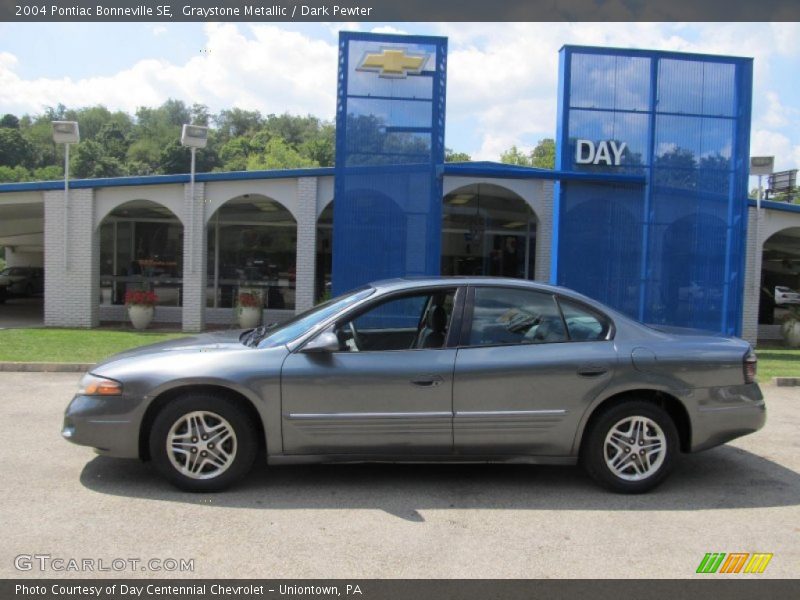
pixel 140 316
pixel 249 317
pixel 791 333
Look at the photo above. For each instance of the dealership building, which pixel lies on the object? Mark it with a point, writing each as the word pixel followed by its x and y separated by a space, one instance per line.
pixel 647 209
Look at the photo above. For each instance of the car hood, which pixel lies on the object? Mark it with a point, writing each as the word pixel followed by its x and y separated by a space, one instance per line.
pixel 219 341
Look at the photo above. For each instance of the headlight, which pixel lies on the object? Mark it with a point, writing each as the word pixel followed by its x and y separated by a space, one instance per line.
pixel 92 385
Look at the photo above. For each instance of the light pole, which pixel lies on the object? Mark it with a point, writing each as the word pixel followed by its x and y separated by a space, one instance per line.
pixel 66 132
pixel 193 137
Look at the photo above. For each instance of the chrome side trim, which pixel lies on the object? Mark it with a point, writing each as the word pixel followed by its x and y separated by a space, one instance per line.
pixel 366 415
pixel 509 413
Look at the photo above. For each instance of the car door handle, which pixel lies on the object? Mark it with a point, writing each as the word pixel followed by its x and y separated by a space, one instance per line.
pixel 592 370
pixel 427 380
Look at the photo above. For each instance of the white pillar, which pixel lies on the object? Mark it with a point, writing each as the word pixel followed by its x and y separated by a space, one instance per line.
pixel 71 269
pixel 752 277
pixel 544 231
pixel 194 258
pixel 306 243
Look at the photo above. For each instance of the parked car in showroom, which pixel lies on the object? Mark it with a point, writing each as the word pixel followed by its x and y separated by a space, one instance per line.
pixel 786 295
pixel 21 281
pixel 431 369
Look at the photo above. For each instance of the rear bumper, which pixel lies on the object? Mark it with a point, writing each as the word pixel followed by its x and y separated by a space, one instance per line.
pixel 724 414
pixel 102 424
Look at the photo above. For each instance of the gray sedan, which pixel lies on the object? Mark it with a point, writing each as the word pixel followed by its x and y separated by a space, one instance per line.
pixel 435 369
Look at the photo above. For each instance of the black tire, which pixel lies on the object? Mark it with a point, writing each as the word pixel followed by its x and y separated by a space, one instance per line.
pixel 632 476
pixel 242 446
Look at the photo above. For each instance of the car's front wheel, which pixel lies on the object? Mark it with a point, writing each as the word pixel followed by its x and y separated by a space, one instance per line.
pixel 631 447
pixel 203 442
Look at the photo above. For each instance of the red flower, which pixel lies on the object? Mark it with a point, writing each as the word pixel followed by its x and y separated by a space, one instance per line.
pixel 140 298
pixel 247 300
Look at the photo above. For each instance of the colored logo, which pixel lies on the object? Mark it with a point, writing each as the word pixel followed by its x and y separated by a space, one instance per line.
pixel 735 562
pixel 393 63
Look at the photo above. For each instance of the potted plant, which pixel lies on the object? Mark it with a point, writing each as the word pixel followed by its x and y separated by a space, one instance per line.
pixel 791 326
pixel 248 309
pixel 141 306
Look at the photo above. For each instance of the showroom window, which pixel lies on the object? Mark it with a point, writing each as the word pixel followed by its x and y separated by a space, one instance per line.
pixel 252 247
pixel 141 247
pixel 488 230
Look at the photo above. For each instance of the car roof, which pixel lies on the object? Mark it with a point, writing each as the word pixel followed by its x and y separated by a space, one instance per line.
pixel 401 283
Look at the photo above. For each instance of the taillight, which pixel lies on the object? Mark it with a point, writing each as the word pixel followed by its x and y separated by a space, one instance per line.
pixel 750 367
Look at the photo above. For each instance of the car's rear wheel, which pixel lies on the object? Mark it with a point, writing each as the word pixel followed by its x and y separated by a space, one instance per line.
pixel 203 442
pixel 631 447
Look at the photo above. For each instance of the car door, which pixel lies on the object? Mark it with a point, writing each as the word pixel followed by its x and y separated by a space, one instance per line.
pixel 387 391
pixel 522 381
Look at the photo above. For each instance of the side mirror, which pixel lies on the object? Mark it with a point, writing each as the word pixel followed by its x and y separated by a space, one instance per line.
pixel 324 342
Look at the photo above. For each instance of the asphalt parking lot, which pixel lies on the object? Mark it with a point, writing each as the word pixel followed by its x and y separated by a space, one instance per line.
pixel 392 521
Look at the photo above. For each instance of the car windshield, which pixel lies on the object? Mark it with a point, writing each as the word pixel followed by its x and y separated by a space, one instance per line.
pixel 269 337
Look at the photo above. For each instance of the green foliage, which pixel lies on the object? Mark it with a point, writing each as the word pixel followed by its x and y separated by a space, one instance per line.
pixel 148 143
pixel 543 156
pixel 452 156
pixel 91 161
pixel 15 149
pixel 278 154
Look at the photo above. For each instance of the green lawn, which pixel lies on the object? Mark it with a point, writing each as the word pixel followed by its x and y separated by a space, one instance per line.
pixel 777 362
pixel 71 345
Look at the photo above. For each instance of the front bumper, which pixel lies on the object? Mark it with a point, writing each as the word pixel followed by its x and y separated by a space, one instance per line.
pixel 725 413
pixel 109 424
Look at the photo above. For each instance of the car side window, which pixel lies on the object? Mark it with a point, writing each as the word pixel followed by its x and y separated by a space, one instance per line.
pixel 417 321
pixel 514 316
pixel 584 325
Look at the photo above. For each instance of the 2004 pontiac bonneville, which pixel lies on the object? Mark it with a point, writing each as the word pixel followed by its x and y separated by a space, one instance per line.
pixel 437 369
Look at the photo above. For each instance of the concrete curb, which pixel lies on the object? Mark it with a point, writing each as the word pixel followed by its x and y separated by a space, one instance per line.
pixel 786 381
pixel 44 367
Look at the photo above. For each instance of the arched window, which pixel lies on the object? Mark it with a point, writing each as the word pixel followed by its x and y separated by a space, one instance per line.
pixel 141 247
pixel 488 230
pixel 252 244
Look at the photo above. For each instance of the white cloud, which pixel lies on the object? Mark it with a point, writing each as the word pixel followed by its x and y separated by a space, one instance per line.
pixel 158 30
pixel 764 142
pixel 388 29
pixel 268 69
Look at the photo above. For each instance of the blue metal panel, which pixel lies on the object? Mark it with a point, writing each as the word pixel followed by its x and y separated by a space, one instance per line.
pixel 685 120
pixel 389 159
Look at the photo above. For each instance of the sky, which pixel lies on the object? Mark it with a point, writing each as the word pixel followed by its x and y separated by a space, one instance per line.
pixel 502 77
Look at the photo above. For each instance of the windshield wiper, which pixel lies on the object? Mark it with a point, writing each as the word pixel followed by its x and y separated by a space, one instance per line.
pixel 254 336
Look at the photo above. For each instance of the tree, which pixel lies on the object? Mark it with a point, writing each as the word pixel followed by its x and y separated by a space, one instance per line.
pixel 15 150
pixel 452 156
pixel 278 154
pixel 543 156
pixel 237 122
pixel 514 156
pixel 91 161
pixel 9 121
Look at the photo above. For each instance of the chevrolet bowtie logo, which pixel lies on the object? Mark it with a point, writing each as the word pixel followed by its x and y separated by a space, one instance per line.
pixel 393 63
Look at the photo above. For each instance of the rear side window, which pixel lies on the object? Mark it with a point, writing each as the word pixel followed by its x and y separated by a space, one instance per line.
pixel 514 316
pixel 584 325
